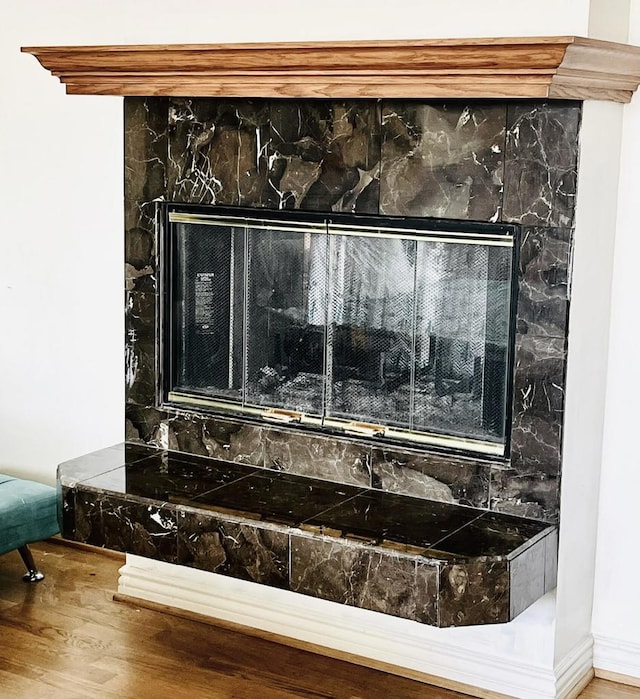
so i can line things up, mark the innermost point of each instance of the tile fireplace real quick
(464, 508)
(346, 326)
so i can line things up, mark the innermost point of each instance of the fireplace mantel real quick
(565, 67)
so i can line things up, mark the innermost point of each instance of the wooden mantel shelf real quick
(566, 67)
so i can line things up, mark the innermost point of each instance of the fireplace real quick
(457, 516)
(348, 347)
(383, 327)
(387, 436)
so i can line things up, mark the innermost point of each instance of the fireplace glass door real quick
(379, 328)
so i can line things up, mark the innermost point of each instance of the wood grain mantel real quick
(565, 67)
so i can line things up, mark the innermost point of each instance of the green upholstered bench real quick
(28, 513)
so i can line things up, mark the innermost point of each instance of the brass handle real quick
(364, 429)
(286, 417)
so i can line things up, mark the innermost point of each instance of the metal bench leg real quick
(33, 574)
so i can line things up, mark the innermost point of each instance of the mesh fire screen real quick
(383, 328)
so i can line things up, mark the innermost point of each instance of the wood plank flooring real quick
(601, 689)
(66, 637)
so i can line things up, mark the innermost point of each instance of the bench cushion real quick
(28, 512)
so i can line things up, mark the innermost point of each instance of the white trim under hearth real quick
(411, 649)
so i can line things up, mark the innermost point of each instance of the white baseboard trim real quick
(575, 670)
(498, 660)
(617, 656)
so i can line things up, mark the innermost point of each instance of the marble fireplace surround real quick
(459, 540)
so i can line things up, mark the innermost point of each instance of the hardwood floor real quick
(601, 689)
(66, 637)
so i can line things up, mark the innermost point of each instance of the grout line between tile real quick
(455, 531)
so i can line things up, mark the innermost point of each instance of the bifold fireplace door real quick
(395, 329)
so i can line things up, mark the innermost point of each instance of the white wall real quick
(61, 239)
(616, 613)
(589, 319)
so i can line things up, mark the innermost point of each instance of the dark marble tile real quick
(550, 561)
(145, 160)
(431, 476)
(100, 461)
(442, 159)
(368, 200)
(185, 433)
(183, 477)
(474, 593)
(241, 550)
(386, 585)
(121, 524)
(534, 495)
(277, 497)
(323, 568)
(376, 516)
(89, 465)
(87, 525)
(526, 583)
(234, 441)
(143, 424)
(140, 348)
(136, 452)
(543, 301)
(324, 155)
(317, 456)
(491, 535)
(354, 575)
(145, 147)
(156, 474)
(217, 151)
(140, 528)
(67, 511)
(538, 404)
(427, 593)
(230, 440)
(145, 478)
(113, 481)
(140, 247)
(540, 172)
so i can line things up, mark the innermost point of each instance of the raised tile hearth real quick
(436, 563)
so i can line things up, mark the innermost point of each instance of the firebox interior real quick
(380, 327)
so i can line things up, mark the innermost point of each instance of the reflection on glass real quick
(286, 318)
(208, 280)
(371, 328)
(462, 301)
(407, 331)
